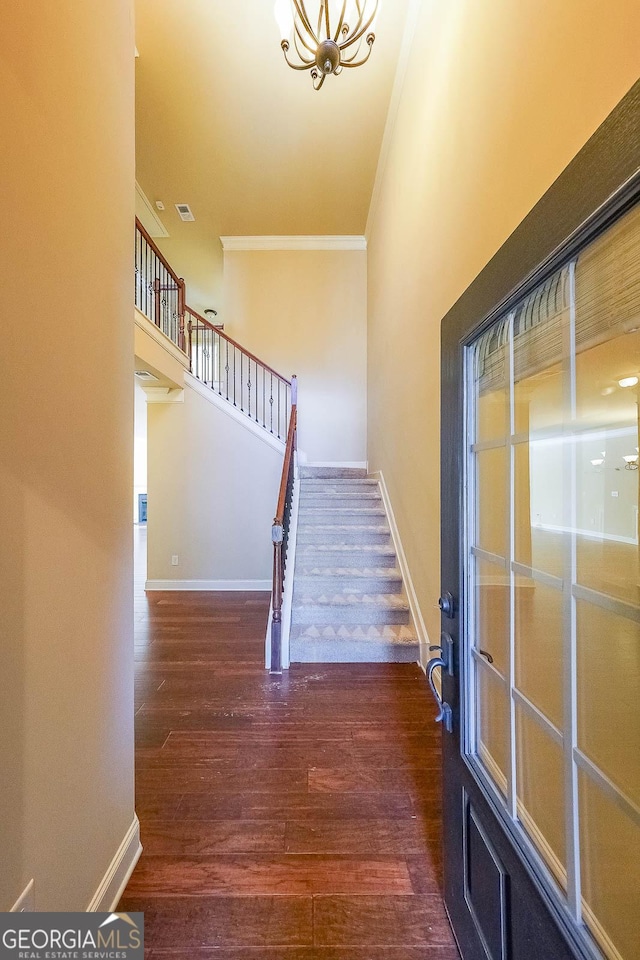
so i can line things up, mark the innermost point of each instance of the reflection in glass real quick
(538, 646)
(609, 694)
(541, 791)
(540, 533)
(493, 726)
(539, 325)
(492, 612)
(493, 502)
(491, 381)
(607, 467)
(610, 868)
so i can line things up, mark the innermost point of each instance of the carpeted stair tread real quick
(348, 599)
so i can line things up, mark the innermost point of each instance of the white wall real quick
(212, 489)
(66, 620)
(305, 312)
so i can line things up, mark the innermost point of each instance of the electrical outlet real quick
(26, 902)
(174, 560)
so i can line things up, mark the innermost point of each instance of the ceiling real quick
(224, 125)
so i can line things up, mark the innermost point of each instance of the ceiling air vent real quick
(145, 375)
(185, 211)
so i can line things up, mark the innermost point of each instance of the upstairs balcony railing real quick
(233, 373)
(238, 376)
(159, 291)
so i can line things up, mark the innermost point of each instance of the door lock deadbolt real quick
(447, 605)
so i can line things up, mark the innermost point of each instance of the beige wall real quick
(304, 312)
(498, 98)
(212, 493)
(66, 676)
(157, 353)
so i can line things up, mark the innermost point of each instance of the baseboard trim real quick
(207, 585)
(112, 885)
(414, 606)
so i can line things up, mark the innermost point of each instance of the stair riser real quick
(349, 613)
(311, 586)
(355, 558)
(322, 499)
(331, 517)
(334, 651)
(310, 536)
(333, 489)
(332, 473)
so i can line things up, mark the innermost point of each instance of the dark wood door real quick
(517, 886)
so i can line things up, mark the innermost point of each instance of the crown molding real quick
(237, 244)
(146, 213)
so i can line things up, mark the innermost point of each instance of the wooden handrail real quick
(234, 343)
(156, 249)
(280, 534)
(282, 496)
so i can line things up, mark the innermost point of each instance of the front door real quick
(541, 610)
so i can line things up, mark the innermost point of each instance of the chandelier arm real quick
(318, 80)
(360, 7)
(345, 61)
(304, 65)
(298, 34)
(361, 31)
(358, 63)
(304, 19)
(341, 22)
(299, 66)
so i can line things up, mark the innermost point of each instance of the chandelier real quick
(330, 37)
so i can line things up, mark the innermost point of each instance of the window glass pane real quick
(610, 868)
(607, 383)
(540, 783)
(539, 327)
(492, 613)
(491, 383)
(609, 694)
(493, 725)
(540, 534)
(492, 518)
(538, 646)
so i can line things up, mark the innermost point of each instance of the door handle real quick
(445, 713)
(447, 605)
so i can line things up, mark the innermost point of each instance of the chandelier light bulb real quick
(628, 382)
(284, 18)
(325, 36)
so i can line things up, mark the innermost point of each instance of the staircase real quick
(349, 604)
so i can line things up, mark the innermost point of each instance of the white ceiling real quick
(225, 126)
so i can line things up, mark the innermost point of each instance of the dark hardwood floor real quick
(292, 819)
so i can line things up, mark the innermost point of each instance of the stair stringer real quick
(417, 619)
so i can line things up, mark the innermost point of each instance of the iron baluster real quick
(271, 403)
